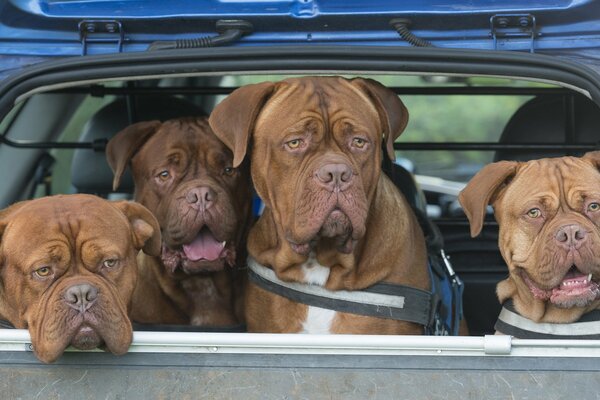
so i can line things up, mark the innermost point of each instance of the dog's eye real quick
(295, 143)
(110, 263)
(594, 207)
(43, 272)
(228, 171)
(534, 213)
(359, 142)
(164, 175)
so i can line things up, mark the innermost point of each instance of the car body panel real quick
(225, 366)
(52, 28)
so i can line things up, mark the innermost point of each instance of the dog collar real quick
(510, 322)
(382, 300)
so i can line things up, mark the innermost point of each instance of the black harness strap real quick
(510, 322)
(410, 304)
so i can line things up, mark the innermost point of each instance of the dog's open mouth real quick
(575, 290)
(204, 247)
(203, 254)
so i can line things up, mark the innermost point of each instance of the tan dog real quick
(331, 217)
(184, 175)
(548, 211)
(68, 270)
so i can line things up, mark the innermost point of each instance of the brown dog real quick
(548, 212)
(331, 218)
(184, 175)
(69, 270)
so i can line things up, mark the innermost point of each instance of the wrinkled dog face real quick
(325, 154)
(69, 270)
(549, 216)
(184, 175)
(322, 149)
(556, 244)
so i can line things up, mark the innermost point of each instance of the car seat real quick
(569, 119)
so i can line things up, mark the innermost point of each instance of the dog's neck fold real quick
(375, 258)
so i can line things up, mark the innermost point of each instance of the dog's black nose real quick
(333, 176)
(81, 296)
(202, 197)
(571, 235)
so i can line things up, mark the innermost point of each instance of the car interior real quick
(457, 125)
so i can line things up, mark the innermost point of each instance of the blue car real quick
(483, 81)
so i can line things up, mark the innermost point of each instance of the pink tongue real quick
(205, 246)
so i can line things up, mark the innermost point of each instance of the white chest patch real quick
(314, 273)
(318, 320)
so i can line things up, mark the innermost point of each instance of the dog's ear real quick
(125, 144)
(234, 118)
(144, 227)
(5, 218)
(6, 215)
(392, 112)
(9, 312)
(482, 190)
(593, 157)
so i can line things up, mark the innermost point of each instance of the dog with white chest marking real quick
(331, 218)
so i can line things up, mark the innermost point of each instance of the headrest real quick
(406, 183)
(90, 172)
(543, 119)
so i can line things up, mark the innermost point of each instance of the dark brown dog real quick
(68, 270)
(185, 176)
(548, 212)
(331, 218)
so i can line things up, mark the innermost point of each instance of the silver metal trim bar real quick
(259, 343)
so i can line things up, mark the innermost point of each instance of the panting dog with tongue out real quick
(184, 175)
(548, 213)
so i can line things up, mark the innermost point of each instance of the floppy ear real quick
(125, 144)
(7, 309)
(5, 215)
(233, 119)
(144, 227)
(482, 189)
(593, 157)
(392, 112)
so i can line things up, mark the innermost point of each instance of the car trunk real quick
(277, 39)
(224, 365)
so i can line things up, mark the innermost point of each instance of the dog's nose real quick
(332, 176)
(571, 235)
(81, 296)
(201, 197)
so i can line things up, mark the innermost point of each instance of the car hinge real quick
(101, 31)
(509, 26)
